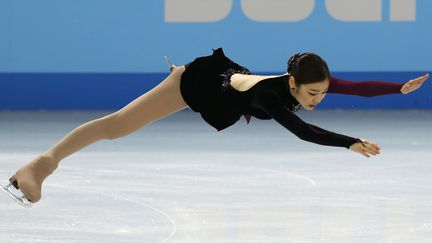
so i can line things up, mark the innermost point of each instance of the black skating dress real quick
(205, 86)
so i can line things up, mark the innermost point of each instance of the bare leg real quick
(159, 102)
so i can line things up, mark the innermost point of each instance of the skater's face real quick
(309, 95)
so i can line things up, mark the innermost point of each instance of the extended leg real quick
(159, 102)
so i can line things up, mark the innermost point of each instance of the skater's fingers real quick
(369, 148)
(373, 149)
(364, 154)
(420, 79)
(412, 85)
(370, 152)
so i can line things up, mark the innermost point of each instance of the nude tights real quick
(157, 103)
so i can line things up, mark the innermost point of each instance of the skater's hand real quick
(366, 148)
(414, 84)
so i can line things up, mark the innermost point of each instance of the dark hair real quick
(308, 68)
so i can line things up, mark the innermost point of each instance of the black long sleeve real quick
(270, 102)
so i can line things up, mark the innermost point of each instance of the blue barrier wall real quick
(75, 91)
(100, 54)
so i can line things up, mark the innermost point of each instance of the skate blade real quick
(21, 200)
(168, 62)
(170, 65)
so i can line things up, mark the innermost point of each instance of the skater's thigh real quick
(162, 100)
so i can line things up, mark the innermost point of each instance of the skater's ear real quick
(292, 82)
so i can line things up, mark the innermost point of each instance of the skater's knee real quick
(111, 135)
(111, 127)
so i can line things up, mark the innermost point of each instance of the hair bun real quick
(292, 62)
(308, 68)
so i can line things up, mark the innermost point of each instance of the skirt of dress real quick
(202, 87)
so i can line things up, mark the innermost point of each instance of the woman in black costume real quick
(221, 91)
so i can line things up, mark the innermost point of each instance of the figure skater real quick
(364, 88)
(221, 91)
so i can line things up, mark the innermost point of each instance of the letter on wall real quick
(355, 10)
(403, 10)
(277, 10)
(196, 10)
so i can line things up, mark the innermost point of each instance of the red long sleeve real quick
(363, 88)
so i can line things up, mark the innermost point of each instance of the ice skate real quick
(21, 200)
(170, 65)
(29, 180)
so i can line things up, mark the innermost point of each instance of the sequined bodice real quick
(226, 76)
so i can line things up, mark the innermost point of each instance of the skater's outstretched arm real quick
(374, 88)
(271, 103)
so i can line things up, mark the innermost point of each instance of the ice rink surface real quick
(178, 180)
